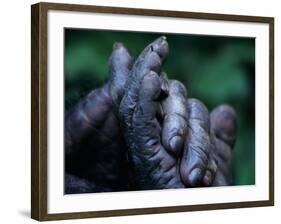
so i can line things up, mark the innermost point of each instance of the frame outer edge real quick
(38, 112)
(154, 12)
(39, 209)
(35, 190)
(271, 111)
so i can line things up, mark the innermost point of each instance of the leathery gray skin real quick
(187, 127)
(179, 150)
(95, 151)
(94, 144)
(175, 127)
(152, 166)
(224, 128)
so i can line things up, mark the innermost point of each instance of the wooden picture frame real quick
(39, 109)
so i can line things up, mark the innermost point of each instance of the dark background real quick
(214, 69)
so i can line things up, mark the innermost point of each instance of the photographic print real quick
(198, 130)
(139, 111)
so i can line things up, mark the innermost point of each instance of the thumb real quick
(120, 63)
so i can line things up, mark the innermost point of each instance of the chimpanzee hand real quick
(156, 166)
(153, 165)
(94, 147)
(170, 142)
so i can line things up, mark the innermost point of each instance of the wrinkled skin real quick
(94, 146)
(96, 154)
(223, 126)
(157, 165)
(171, 140)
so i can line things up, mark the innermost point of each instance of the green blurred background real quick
(214, 69)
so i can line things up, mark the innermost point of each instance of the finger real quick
(196, 154)
(120, 61)
(143, 138)
(152, 166)
(175, 118)
(144, 121)
(159, 46)
(164, 81)
(210, 173)
(152, 57)
(149, 61)
(223, 122)
(212, 167)
(120, 64)
(149, 92)
(223, 155)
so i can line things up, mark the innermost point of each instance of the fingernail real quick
(195, 177)
(176, 144)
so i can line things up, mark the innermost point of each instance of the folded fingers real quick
(175, 118)
(150, 60)
(197, 167)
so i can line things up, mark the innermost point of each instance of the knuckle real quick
(198, 107)
(153, 61)
(178, 88)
